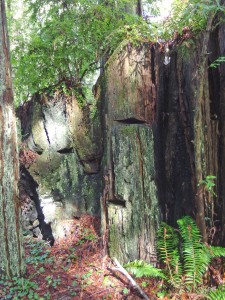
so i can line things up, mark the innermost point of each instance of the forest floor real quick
(76, 267)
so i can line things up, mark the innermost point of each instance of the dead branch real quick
(125, 273)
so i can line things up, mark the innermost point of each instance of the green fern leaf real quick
(195, 254)
(167, 245)
(216, 251)
(218, 294)
(140, 268)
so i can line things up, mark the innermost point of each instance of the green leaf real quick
(74, 283)
(218, 294)
(167, 246)
(140, 268)
(144, 283)
(125, 291)
(195, 254)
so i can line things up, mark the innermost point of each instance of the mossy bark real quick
(130, 212)
(133, 214)
(11, 252)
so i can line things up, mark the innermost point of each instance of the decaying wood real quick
(127, 275)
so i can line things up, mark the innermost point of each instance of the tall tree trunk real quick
(130, 210)
(202, 106)
(11, 253)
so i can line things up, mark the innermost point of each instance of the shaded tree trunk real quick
(200, 141)
(11, 253)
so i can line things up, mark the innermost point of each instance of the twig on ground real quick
(127, 275)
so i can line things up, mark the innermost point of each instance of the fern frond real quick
(218, 294)
(216, 251)
(167, 246)
(195, 254)
(139, 268)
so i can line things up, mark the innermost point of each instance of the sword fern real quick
(184, 256)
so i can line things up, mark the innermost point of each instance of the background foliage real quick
(61, 44)
(192, 14)
(58, 43)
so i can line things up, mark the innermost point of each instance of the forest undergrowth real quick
(76, 267)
